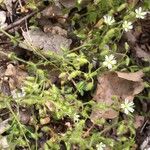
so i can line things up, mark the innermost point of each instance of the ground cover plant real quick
(74, 74)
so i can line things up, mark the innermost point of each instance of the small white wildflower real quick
(2, 19)
(127, 106)
(109, 61)
(140, 14)
(18, 94)
(76, 118)
(100, 146)
(79, 1)
(127, 26)
(109, 20)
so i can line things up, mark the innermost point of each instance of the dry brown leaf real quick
(68, 3)
(16, 76)
(10, 71)
(119, 84)
(52, 11)
(139, 120)
(142, 54)
(38, 40)
(136, 76)
(135, 48)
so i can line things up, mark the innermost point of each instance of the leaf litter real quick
(113, 87)
(120, 84)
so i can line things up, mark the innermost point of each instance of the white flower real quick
(76, 118)
(139, 13)
(127, 26)
(100, 146)
(18, 94)
(127, 107)
(79, 1)
(109, 20)
(2, 19)
(109, 61)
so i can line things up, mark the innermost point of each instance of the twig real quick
(143, 126)
(18, 22)
(88, 131)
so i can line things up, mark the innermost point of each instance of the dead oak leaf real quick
(119, 84)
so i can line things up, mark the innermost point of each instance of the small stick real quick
(16, 23)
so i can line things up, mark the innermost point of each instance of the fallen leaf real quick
(4, 125)
(10, 71)
(136, 76)
(142, 54)
(52, 11)
(119, 84)
(135, 48)
(24, 116)
(68, 3)
(139, 120)
(16, 76)
(38, 40)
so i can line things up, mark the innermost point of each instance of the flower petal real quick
(113, 62)
(109, 66)
(126, 111)
(111, 57)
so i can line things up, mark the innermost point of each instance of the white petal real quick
(105, 63)
(106, 58)
(143, 13)
(136, 10)
(109, 18)
(111, 57)
(122, 106)
(126, 101)
(129, 23)
(126, 111)
(104, 18)
(109, 66)
(130, 109)
(113, 62)
(131, 104)
(130, 27)
(140, 9)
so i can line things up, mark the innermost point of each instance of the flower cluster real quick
(127, 25)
